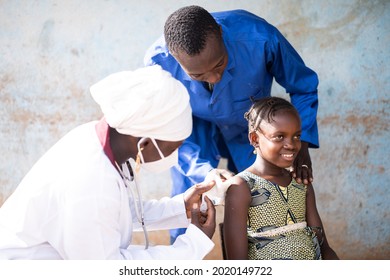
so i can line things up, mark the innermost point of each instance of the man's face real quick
(208, 66)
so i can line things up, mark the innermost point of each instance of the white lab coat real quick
(73, 204)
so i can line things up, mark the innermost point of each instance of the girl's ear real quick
(253, 138)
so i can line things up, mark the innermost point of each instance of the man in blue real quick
(226, 60)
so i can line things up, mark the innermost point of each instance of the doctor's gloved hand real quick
(205, 221)
(224, 174)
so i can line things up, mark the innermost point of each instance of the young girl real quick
(268, 215)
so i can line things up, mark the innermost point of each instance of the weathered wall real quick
(52, 51)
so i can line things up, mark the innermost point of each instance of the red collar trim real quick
(103, 133)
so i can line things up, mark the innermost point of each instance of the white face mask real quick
(160, 165)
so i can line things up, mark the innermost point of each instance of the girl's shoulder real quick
(238, 181)
(239, 192)
(251, 179)
(246, 175)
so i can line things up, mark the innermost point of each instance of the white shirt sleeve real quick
(194, 244)
(166, 213)
(90, 229)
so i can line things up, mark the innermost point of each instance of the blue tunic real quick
(257, 53)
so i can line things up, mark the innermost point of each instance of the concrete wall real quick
(52, 51)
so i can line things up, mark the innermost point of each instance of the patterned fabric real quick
(272, 207)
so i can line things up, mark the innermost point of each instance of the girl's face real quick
(279, 141)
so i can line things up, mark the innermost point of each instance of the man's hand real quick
(302, 166)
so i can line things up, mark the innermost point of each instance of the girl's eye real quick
(297, 137)
(277, 138)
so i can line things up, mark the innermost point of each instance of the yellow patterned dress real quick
(277, 221)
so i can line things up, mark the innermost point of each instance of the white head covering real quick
(147, 102)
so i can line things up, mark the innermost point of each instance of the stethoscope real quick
(139, 207)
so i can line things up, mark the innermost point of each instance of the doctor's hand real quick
(205, 221)
(192, 200)
(194, 195)
(224, 174)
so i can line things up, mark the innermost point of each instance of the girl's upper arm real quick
(237, 201)
(312, 217)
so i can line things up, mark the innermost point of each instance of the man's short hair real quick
(187, 30)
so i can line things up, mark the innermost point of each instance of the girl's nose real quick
(289, 144)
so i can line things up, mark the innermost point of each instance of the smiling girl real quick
(268, 215)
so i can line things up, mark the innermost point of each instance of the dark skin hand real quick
(204, 221)
(192, 199)
(301, 173)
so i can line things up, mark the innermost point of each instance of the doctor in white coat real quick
(82, 199)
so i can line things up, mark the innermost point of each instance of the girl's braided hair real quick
(265, 109)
